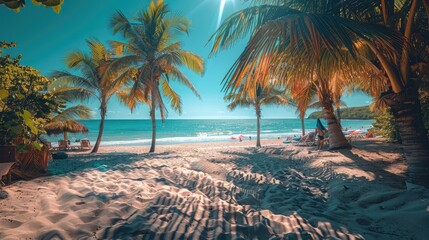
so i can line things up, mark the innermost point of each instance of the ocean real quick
(174, 131)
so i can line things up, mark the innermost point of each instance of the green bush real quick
(385, 126)
(25, 103)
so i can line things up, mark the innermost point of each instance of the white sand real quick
(220, 191)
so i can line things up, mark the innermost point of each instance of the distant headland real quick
(349, 113)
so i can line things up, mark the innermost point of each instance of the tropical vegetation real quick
(363, 112)
(303, 101)
(263, 96)
(96, 79)
(379, 44)
(25, 103)
(16, 5)
(151, 46)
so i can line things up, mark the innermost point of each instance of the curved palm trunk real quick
(302, 126)
(258, 125)
(339, 116)
(407, 113)
(337, 140)
(152, 117)
(101, 128)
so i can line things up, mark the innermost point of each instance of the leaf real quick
(37, 3)
(37, 145)
(28, 121)
(57, 9)
(3, 93)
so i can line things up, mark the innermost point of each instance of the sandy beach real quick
(220, 191)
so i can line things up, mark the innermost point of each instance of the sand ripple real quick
(229, 195)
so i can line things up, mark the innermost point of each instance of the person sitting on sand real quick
(320, 131)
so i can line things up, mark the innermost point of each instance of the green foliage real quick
(25, 105)
(16, 5)
(385, 126)
(349, 113)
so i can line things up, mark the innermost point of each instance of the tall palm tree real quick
(262, 96)
(306, 43)
(97, 79)
(404, 75)
(357, 27)
(151, 46)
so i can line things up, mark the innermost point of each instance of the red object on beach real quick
(233, 138)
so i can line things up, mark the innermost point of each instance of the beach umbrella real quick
(65, 127)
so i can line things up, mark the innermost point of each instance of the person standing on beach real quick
(320, 131)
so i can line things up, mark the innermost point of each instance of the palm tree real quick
(290, 26)
(263, 96)
(404, 75)
(97, 79)
(303, 101)
(150, 46)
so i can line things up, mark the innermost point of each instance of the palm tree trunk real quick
(337, 140)
(101, 128)
(407, 113)
(65, 136)
(258, 125)
(302, 126)
(152, 117)
(339, 116)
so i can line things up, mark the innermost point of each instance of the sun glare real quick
(221, 7)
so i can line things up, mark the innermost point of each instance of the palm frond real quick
(64, 78)
(71, 94)
(243, 23)
(191, 61)
(176, 74)
(79, 111)
(171, 95)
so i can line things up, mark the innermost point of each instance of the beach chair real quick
(307, 140)
(355, 135)
(63, 145)
(85, 144)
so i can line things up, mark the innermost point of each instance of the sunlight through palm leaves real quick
(97, 79)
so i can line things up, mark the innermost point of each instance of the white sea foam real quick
(201, 137)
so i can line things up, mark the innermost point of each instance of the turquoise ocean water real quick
(138, 132)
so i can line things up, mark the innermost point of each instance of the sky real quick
(44, 38)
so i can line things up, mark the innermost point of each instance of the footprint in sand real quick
(10, 223)
(54, 218)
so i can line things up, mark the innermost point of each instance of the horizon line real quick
(211, 119)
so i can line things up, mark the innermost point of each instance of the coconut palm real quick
(404, 75)
(304, 48)
(151, 46)
(303, 101)
(97, 79)
(262, 96)
(354, 26)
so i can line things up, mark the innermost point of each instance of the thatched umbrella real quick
(65, 127)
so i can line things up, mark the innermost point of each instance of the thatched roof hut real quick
(64, 127)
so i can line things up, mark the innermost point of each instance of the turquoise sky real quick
(45, 38)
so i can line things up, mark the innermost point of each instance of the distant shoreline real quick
(351, 113)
